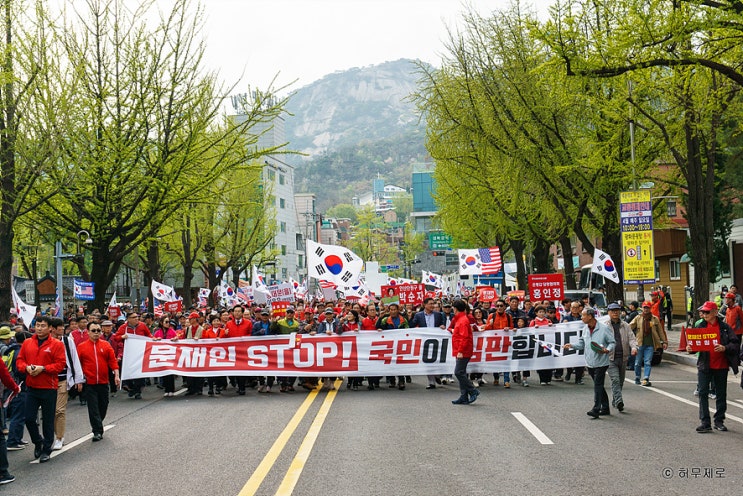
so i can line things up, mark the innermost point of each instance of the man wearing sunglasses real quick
(97, 359)
(713, 366)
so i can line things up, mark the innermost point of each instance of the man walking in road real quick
(598, 342)
(43, 358)
(650, 335)
(713, 366)
(97, 359)
(626, 346)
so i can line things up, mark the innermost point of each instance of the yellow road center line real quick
(268, 461)
(295, 470)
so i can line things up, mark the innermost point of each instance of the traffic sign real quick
(393, 267)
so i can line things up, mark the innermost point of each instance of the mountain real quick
(355, 125)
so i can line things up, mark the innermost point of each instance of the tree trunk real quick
(6, 264)
(518, 252)
(541, 256)
(153, 270)
(567, 258)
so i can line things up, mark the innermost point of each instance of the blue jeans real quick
(644, 356)
(17, 418)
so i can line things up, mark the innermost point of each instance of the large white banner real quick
(368, 353)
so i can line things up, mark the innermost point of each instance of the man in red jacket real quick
(238, 327)
(43, 358)
(97, 359)
(132, 326)
(462, 346)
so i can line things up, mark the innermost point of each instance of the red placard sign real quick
(546, 287)
(701, 339)
(411, 293)
(173, 306)
(486, 293)
(113, 313)
(278, 308)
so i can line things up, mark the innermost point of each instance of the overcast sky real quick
(304, 40)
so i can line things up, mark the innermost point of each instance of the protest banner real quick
(424, 351)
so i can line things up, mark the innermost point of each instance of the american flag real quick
(327, 285)
(490, 258)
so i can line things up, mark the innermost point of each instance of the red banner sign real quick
(546, 287)
(113, 313)
(486, 293)
(278, 308)
(411, 293)
(701, 339)
(173, 306)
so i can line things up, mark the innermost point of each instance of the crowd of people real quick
(57, 360)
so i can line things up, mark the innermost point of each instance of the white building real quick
(278, 178)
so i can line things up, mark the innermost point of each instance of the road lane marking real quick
(695, 403)
(533, 429)
(74, 443)
(303, 453)
(251, 487)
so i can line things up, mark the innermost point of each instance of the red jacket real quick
(7, 379)
(140, 330)
(734, 318)
(233, 330)
(462, 341)
(497, 321)
(51, 355)
(79, 336)
(96, 360)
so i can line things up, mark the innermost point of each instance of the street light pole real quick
(59, 256)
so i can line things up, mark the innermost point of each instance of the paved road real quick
(391, 442)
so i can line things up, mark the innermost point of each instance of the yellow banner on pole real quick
(636, 226)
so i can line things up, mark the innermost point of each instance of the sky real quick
(302, 40)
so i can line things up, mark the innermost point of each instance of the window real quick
(282, 226)
(284, 274)
(300, 260)
(271, 174)
(283, 249)
(671, 207)
(674, 269)
(282, 180)
(657, 270)
(282, 203)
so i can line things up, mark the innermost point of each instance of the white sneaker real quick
(57, 444)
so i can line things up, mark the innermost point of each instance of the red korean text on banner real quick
(278, 308)
(546, 287)
(411, 293)
(486, 293)
(173, 306)
(701, 339)
(114, 313)
(430, 294)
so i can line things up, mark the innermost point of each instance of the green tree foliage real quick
(685, 58)
(525, 155)
(342, 211)
(27, 149)
(369, 238)
(138, 121)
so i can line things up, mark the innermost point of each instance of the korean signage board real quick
(636, 227)
(546, 287)
(439, 241)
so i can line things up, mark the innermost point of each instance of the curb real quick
(680, 357)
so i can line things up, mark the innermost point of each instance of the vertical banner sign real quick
(636, 226)
(546, 287)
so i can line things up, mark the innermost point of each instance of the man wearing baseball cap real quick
(650, 335)
(733, 314)
(713, 366)
(626, 347)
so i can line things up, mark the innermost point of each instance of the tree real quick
(342, 211)
(27, 149)
(686, 56)
(524, 153)
(369, 240)
(140, 128)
